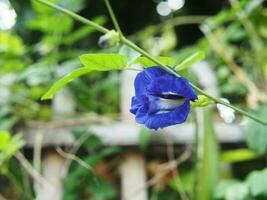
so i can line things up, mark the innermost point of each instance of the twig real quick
(171, 157)
(164, 169)
(73, 151)
(113, 17)
(31, 171)
(37, 157)
(75, 158)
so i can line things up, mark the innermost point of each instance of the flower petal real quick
(169, 84)
(162, 120)
(145, 77)
(142, 113)
(134, 105)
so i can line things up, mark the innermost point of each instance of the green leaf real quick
(100, 188)
(9, 145)
(145, 62)
(238, 155)
(232, 189)
(131, 54)
(257, 183)
(207, 154)
(65, 80)
(144, 138)
(4, 140)
(104, 62)
(255, 133)
(183, 181)
(190, 60)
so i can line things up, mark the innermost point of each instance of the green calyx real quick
(202, 101)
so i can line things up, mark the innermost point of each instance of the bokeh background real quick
(84, 144)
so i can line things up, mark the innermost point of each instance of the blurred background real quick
(84, 144)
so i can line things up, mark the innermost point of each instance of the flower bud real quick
(228, 114)
(110, 39)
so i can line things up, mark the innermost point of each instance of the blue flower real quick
(161, 99)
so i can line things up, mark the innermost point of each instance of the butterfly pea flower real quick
(161, 99)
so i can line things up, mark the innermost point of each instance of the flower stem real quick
(75, 16)
(144, 53)
(113, 17)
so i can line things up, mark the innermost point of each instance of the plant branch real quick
(75, 16)
(113, 17)
(144, 53)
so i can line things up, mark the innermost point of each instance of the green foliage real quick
(197, 56)
(88, 183)
(255, 134)
(238, 155)
(144, 138)
(183, 181)
(145, 62)
(232, 190)
(65, 80)
(104, 62)
(207, 167)
(131, 54)
(91, 62)
(253, 187)
(9, 145)
(257, 183)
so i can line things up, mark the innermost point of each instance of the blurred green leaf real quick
(131, 54)
(4, 140)
(144, 138)
(9, 145)
(184, 181)
(104, 62)
(145, 62)
(255, 133)
(252, 5)
(207, 156)
(238, 155)
(82, 32)
(100, 188)
(257, 183)
(91, 141)
(52, 23)
(63, 81)
(197, 56)
(231, 190)
(11, 44)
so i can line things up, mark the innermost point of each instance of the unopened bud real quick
(228, 114)
(110, 39)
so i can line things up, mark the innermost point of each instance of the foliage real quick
(207, 167)
(9, 145)
(259, 142)
(234, 43)
(92, 185)
(253, 187)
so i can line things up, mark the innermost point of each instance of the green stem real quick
(75, 16)
(144, 53)
(113, 17)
